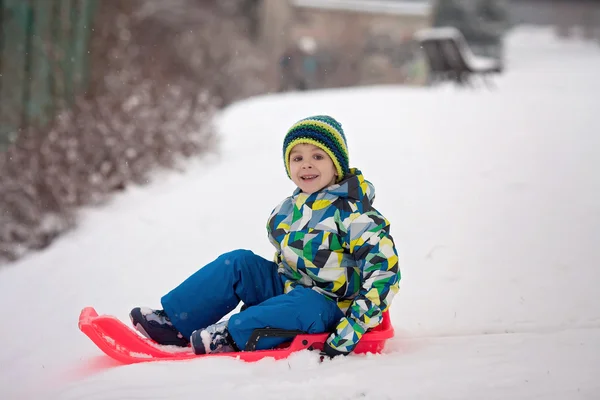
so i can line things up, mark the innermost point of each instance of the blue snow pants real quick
(216, 289)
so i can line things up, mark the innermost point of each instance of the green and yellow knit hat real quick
(324, 132)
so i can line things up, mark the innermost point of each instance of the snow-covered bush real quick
(159, 70)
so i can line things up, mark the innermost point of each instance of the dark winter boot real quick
(155, 325)
(213, 339)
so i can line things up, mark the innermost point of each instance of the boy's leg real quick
(301, 309)
(217, 288)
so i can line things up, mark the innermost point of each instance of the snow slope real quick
(494, 200)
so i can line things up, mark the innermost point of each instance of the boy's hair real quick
(324, 132)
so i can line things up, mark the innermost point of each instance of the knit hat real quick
(324, 132)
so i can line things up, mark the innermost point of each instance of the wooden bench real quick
(450, 58)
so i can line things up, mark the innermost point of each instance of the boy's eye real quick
(318, 157)
(297, 158)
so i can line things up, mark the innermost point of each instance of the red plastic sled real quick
(125, 345)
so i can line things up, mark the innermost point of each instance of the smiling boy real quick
(335, 267)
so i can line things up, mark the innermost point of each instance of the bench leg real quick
(488, 82)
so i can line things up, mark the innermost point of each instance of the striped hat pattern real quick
(324, 132)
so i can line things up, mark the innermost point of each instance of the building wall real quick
(275, 17)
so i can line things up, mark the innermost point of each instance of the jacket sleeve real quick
(373, 249)
(273, 226)
(275, 230)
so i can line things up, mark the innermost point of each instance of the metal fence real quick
(43, 59)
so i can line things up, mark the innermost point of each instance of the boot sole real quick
(141, 329)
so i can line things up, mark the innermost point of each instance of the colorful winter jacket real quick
(336, 243)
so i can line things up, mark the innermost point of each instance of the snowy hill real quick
(494, 200)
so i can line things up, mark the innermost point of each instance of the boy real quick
(335, 267)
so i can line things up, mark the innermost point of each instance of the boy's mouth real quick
(309, 177)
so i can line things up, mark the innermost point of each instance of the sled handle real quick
(259, 333)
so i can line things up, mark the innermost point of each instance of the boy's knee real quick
(238, 256)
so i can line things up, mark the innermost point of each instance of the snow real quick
(494, 200)
(446, 32)
(415, 8)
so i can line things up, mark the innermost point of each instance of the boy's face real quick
(311, 168)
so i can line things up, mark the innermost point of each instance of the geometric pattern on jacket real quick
(336, 243)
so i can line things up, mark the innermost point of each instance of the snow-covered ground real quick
(494, 200)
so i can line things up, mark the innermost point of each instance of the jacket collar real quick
(353, 187)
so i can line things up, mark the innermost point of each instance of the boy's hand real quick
(345, 337)
(330, 352)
